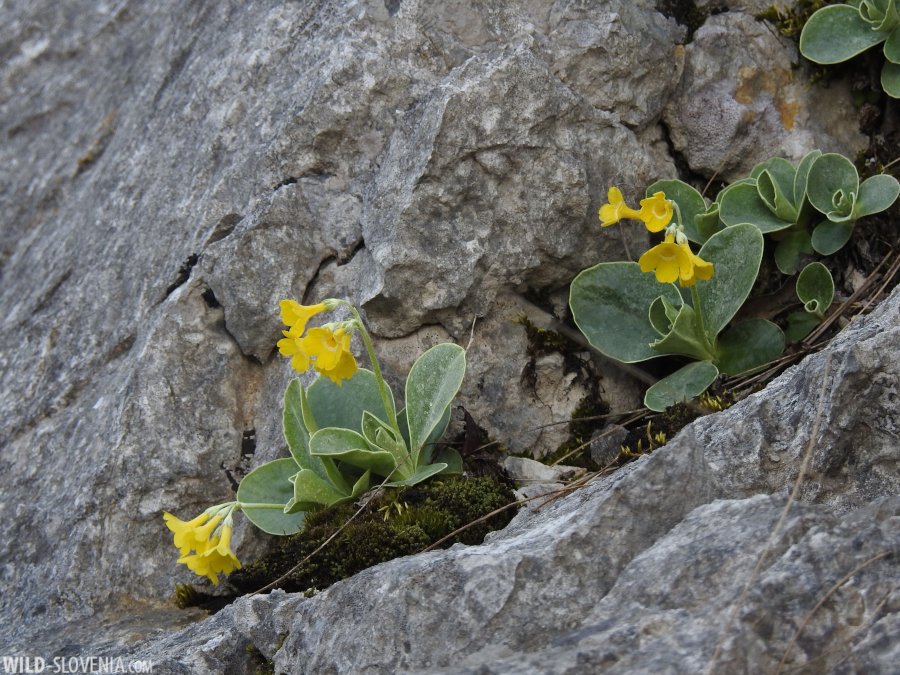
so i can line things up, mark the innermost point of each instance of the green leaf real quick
(342, 405)
(662, 314)
(360, 486)
(890, 79)
(829, 237)
(269, 485)
(880, 14)
(775, 198)
(790, 248)
(876, 194)
(685, 336)
(424, 473)
(451, 458)
(708, 223)
(434, 437)
(610, 304)
(295, 432)
(749, 345)
(348, 446)
(682, 385)
(736, 252)
(312, 492)
(801, 178)
(799, 325)
(832, 181)
(837, 33)
(690, 203)
(431, 386)
(892, 46)
(815, 288)
(742, 204)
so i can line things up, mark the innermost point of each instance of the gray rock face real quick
(742, 100)
(676, 563)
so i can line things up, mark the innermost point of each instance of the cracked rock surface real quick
(168, 176)
(688, 560)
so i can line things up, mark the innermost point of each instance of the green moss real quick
(541, 340)
(414, 518)
(258, 664)
(790, 22)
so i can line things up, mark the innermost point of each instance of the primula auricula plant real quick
(810, 208)
(839, 32)
(631, 315)
(343, 431)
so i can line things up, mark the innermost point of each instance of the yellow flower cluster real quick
(672, 260)
(326, 349)
(655, 211)
(211, 543)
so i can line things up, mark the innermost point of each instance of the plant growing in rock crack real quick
(633, 316)
(812, 207)
(839, 32)
(342, 431)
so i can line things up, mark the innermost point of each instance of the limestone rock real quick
(688, 560)
(741, 100)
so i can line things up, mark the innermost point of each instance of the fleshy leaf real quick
(690, 203)
(685, 336)
(837, 33)
(742, 204)
(890, 78)
(801, 178)
(892, 46)
(610, 304)
(829, 237)
(736, 252)
(294, 427)
(815, 288)
(312, 492)
(431, 386)
(424, 473)
(749, 345)
(451, 458)
(790, 248)
(799, 325)
(775, 197)
(348, 446)
(342, 405)
(832, 181)
(876, 194)
(682, 385)
(270, 487)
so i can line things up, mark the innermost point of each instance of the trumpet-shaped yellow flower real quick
(612, 212)
(656, 212)
(675, 261)
(215, 560)
(292, 346)
(193, 534)
(331, 351)
(295, 315)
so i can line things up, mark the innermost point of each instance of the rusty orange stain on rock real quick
(753, 82)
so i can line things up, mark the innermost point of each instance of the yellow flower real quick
(193, 534)
(656, 212)
(331, 351)
(292, 346)
(673, 261)
(218, 558)
(616, 209)
(296, 315)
